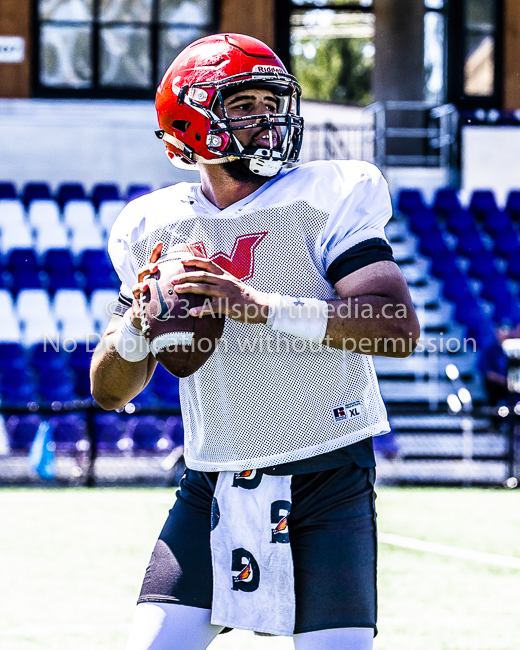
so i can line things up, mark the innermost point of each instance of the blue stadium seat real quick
(513, 268)
(33, 191)
(56, 385)
(433, 244)
(60, 269)
(422, 221)
(513, 205)
(12, 355)
(110, 433)
(410, 201)
(68, 192)
(135, 191)
(482, 202)
(498, 222)
(456, 288)
(21, 431)
(79, 361)
(507, 245)
(7, 191)
(482, 266)
(98, 271)
(460, 222)
(166, 387)
(148, 434)
(506, 310)
(23, 266)
(470, 244)
(44, 357)
(17, 386)
(444, 265)
(68, 431)
(446, 201)
(105, 192)
(495, 289)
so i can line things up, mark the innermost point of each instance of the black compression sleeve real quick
(362, 254)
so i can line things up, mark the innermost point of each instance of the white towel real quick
(253, 573)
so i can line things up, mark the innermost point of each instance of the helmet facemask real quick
(284, 128)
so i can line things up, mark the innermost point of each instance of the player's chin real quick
(239, 171)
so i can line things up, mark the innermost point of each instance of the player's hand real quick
(142, 285)
(229, 296)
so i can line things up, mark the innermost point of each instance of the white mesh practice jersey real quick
(265, 398)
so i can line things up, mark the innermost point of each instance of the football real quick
(180, 342)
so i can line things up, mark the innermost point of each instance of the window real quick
(479, 55)
(113, 48)
(332, 50)
(434, 51)
(475, 39)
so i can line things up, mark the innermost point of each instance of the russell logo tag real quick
(347, 412)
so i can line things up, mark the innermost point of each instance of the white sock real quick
(167, 626)
(344, 638)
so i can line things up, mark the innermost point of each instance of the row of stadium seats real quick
(61, 374)
(446, 201)
(71, 191)
(57, 269)
(43, 226)
(474, 253)
(112, 433)
(69, 315)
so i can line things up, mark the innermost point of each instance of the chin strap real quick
(191, 155)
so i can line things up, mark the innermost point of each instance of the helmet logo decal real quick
(267, 69)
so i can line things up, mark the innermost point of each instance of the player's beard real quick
(239, 169)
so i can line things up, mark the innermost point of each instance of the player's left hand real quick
(230, 296)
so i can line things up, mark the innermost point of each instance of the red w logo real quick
(241, 262)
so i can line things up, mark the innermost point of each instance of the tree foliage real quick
(338, 72)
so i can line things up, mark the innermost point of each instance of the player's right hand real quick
(142, 285)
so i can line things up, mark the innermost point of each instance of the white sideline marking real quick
(453, 551)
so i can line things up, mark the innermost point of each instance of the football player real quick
(273, 529)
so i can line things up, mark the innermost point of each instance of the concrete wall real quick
(15, 78)
(101, 141)
(512, 55)
(87, 141)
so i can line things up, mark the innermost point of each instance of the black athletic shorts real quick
(332, 527)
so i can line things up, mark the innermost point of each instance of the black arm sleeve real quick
(362, 254)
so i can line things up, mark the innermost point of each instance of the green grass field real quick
(72, 562)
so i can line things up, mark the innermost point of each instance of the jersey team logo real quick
(241, 262)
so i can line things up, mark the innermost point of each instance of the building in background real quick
(344, 52)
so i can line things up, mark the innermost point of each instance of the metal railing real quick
(432, 131)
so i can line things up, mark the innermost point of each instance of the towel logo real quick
(279, 522)
(248, 479)
(347, 412)
(248, 571)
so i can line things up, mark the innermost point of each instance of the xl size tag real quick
(347, 411)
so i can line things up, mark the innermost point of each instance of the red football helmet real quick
(200, 78)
